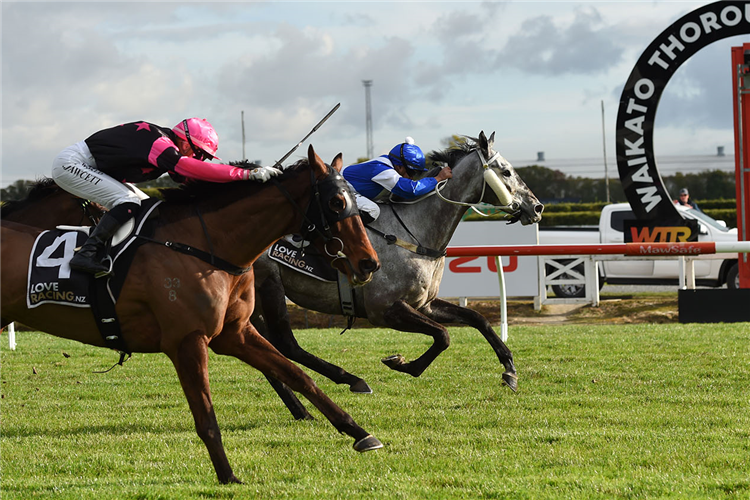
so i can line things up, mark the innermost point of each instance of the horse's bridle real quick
(497, 186)
(318, 217)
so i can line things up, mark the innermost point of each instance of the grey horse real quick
(403, 294)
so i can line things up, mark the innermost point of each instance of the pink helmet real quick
(200, 135)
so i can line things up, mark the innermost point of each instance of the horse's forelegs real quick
(249, 346)
(401, 316)
(446, 312)
(287, 396)
(191, 362)
(293, 404)
(278, 331)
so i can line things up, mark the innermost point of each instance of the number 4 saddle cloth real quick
(52, 281)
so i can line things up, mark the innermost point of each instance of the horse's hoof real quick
(231, 480)
(360, 387)
(511, 380)
(368, 443)
(394, 362)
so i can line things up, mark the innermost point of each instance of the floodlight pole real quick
(604, 146)
(243, 135)
(368, 118)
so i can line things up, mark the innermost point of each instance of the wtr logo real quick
(672, 234)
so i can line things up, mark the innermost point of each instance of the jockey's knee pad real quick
(366, 217)
(124, 211)
(371, 210)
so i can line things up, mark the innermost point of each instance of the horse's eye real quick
(507, 173)
(337, 204)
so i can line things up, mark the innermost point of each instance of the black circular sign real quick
(644, 187)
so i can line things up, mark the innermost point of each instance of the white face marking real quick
(347, 200)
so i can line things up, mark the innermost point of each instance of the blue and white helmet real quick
(408, 155)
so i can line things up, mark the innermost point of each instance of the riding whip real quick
(315, 128)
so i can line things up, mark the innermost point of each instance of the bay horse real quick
(211, 308)
(403, 294)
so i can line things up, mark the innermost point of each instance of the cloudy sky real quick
(536, 73)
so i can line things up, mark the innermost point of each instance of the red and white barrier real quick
(627, 249)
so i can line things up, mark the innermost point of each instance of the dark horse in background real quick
(403, 294)
(46, 206)
(212, 307)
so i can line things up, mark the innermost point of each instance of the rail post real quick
(503, 299)
(12, 336)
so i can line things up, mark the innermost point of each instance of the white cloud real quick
(535, 72)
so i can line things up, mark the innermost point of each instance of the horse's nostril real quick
(368, 266)
(538, 208)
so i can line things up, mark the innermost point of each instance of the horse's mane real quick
(454, 154)
(41, 189)
(197, 191)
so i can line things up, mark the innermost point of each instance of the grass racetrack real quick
(604, 411)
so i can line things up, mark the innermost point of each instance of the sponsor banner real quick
(645, 231)
(477, 276)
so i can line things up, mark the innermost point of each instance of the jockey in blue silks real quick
(376, 179)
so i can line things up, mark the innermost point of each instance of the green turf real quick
(640, 411)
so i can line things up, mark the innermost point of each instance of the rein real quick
(418, 249)
(310, 227)
(86, 207)
(392, 239)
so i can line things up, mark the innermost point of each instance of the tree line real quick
(18, 190)
(550, 186)
(553, 186)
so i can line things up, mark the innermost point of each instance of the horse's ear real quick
(316, 163)
(483, 141)
(338, 162)
(491, 141)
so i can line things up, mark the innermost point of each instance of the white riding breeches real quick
(365, 204)
(75, 171)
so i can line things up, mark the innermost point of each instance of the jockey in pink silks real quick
(104, 167)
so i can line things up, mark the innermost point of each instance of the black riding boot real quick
(90, 258)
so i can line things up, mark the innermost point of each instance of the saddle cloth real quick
(52, 281)
(314, 265)
(310, 263)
